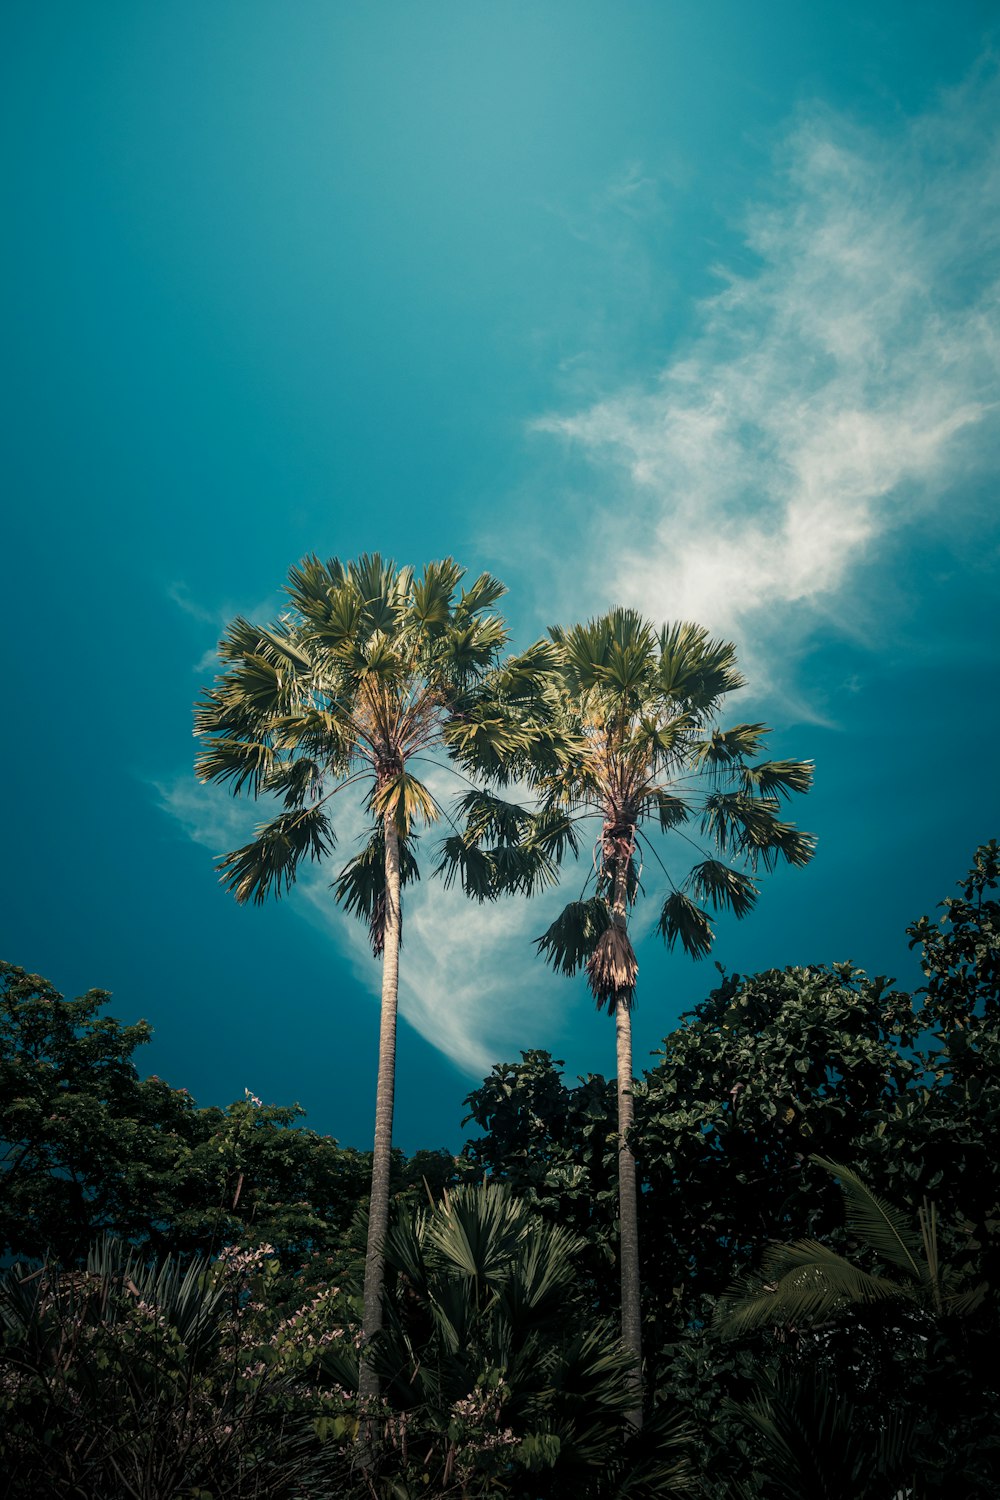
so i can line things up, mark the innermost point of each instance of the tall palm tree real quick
(370, 671)
(636, 708)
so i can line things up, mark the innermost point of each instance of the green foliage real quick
(557, 1147)
(642, 754)
(494, 1362)
(370, 671)
(88, 1146)
(808, 1282)
(119, 1380)
(85, 1144)
(766, 1071)
(870, 1368)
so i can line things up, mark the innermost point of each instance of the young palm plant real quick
(497, 1375)
(808, 1283)
(636, 709)
(369, 673)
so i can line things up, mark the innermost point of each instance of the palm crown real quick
(371, 669)
(637, 708)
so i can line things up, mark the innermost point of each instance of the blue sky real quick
(682, 305)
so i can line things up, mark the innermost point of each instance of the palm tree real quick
(636, 708)
(370, 671)
(813, 1440)
(808, 1283)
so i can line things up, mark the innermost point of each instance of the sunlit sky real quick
(690, 306)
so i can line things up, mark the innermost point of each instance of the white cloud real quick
(218, 617)
(467, 973)
(842, 390)
(207, 814)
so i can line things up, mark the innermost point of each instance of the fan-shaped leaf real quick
(268, 864)
(680, 918)
(571, 939)
(715, 882)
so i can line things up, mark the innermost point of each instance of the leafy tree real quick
(637, 708)
(893, 1294)
(942, 1143)
(370, 671)
(556, 1146)
(768, 1070)
(85, 1144)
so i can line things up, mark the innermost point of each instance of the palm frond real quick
(880, 1225)
(491, 818)
(360, 886)
(723, 887)
(570, 940)
(481, 595)
(525, 868)
(725, 747)
(254, 690)
(553, 832)
(269, 864)
(485, 874)
(681, 918)
(545, 1267)
(773, 778)
(295, 780)
(311, 582)
(405, 799)
(488, 740)
(670, 809)
(695, 670)
(470, 865)
(335, 624)
(806, 1282)
(750, 827)
(243, 763)
(432, 595)
(471, 648)
(383, 590)
(477, 1230)
(521, 677)
(606, 652)
(612, 969)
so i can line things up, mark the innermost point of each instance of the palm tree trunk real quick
(628, 1218)
(378, 1212)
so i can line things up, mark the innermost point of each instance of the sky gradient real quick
(690, 307)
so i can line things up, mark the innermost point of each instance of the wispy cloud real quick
(844, 388)
(823, 402)
(468, 975)
(218, 617)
